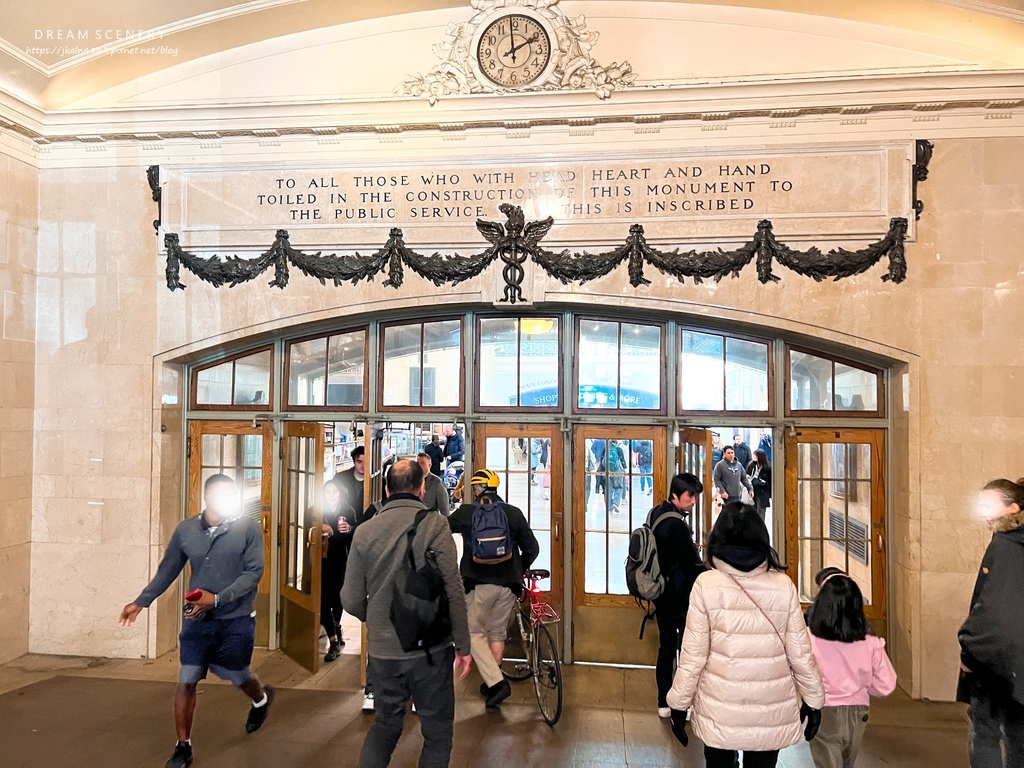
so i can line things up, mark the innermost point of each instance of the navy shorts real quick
(223, 646)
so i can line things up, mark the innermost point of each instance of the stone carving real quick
(923, 156)
(153, 177)
(575, 68)
(517, 240)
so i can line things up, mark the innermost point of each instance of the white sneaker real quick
(368, 703)
(664, 712)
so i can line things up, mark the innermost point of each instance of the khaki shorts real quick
(489, 608)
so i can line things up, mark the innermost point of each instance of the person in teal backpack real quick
(498, 546)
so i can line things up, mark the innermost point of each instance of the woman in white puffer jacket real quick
(746, 662)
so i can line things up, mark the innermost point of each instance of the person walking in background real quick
(618, 470)
(336, 529)
(378, 552)
(435, 494)
(352, 478)
(853, 666)
(743, 454)
(455, 446)
(730, 477)
(645, 463)
(765, 444)
(435, 451)
(760, 473)
(492, 587)
(680, 566)
(746, 661)
(225, 553)
(992, 637)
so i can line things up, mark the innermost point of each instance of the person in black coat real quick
(760, 473)
(743, 454)
(336, 529)
(680, 566)
(435, 451)
(992, 637)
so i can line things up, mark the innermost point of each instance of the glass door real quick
(835, 511)
(619, 475)
(695, 458)
(242, 452)
(528, 459)
(300, 542)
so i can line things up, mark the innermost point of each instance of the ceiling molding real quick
(712, 104)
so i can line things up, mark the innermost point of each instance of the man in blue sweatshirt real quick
(225, 552)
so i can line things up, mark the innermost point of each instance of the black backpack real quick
(419, 603)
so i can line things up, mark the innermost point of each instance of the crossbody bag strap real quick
(760, 610)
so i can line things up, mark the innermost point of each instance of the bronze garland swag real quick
(517, 240)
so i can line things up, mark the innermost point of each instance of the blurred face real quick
(221, 500)
(359, 462)
(737, 439)
(685, 502)
(729, 454)
(991, 506)
(424, 463)
(332, 495)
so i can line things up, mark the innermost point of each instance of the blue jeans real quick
(646, 481)
(432, 689)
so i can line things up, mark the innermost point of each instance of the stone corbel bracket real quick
(923, 149)
(153, 177)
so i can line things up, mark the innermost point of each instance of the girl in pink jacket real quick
(853, 667)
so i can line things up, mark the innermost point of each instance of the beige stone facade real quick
(93, 344)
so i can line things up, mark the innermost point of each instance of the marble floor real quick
(72, 711)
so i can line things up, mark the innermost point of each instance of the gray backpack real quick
(643, 571)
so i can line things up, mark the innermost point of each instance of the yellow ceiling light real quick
(536, 325)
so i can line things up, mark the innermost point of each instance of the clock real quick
(514, 50)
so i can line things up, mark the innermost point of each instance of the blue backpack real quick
(490, 537)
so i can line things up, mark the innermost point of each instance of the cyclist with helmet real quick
(493, 577)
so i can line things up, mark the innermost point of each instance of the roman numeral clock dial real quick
(514, 51)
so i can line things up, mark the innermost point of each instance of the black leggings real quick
(727, 758)
(330, 599)
(670, 626)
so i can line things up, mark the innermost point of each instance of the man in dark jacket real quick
(225, 553)
(992, 637)
(434, 450)
(492, 589)
(680, 566)
(743, 454)
(379, 548)
(455, 446)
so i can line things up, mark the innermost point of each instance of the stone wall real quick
(105, 472)
(18, 199)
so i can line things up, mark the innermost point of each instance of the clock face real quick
(513, 51)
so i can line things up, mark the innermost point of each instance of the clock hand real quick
(528, 41)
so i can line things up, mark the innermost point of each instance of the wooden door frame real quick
(581, 433)
(310, 602)
(199, 427)
(875, 437)
(700, 437)
(483, 430)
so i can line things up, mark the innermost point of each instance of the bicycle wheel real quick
(547, 675)
(519, 628)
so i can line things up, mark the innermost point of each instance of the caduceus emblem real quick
(514, 242)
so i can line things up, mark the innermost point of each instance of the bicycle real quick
(542, 660)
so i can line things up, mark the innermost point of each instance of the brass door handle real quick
(556, 531)
(879, 542)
